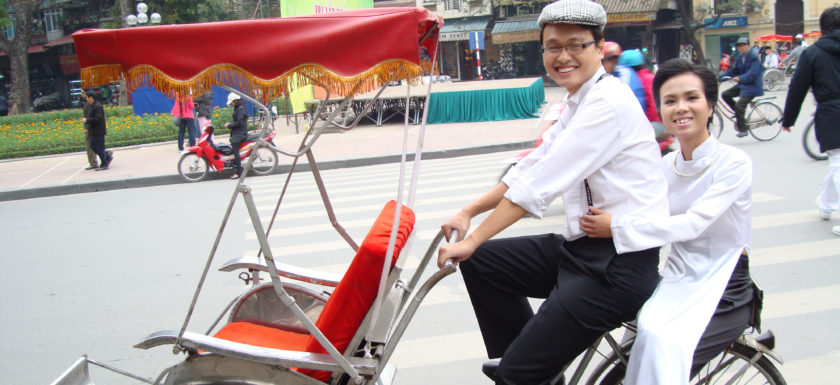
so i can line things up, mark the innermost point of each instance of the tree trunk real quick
(17, 50)
(690, 26)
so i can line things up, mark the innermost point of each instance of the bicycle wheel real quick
(762, 121)
(809, 142)
(716, 127)
(773, 79)
(730, 367)
(265, 161)
(192, 167)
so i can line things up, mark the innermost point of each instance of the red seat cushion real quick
(354, 295)
(349, 303)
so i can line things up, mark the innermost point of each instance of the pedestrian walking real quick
(819, 70)
(94, 120)
(183, 111)
(600, 150)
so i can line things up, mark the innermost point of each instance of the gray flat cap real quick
(743, 40)
(583, 12)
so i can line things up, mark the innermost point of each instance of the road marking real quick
(795, 252)
(440, 349)
(460, 188)
(72, 176)
(802, 371)
(45, 172)
(801, 302)
(782, 219)
(765, 197)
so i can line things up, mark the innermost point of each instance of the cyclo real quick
(290, 333)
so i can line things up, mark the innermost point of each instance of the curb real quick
(159, 180)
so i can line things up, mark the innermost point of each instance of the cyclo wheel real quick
(809, 142)
(773, 79)
(716, 127)
(265, 161)
(762, 121)
(733, 366)
(192, 167)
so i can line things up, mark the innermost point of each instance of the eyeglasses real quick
(571, 49)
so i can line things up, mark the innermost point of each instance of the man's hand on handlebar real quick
(455, 252)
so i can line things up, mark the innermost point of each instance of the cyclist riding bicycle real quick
(746, 73)
(709, 190)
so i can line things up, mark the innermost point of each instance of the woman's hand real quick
(455, 252)
(596, 224)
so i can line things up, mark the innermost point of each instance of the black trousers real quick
(237, 160)
(97, 143)
(588, 289)
(731, 317)
(739, 106)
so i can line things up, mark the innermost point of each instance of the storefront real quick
(721, 37)
(518, 43)
(456, 59)
(631, 30)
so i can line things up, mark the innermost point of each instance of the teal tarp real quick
(486, 105)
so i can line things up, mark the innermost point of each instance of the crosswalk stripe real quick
(765, 197)
(428, 351)
(801, 302)
(783, 219)
(795, 252)
(802, 371)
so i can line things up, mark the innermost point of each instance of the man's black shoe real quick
(741, 134)
(489, 370)
(91, 167)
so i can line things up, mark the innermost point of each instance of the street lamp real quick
(141, 17)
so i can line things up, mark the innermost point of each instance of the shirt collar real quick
(701, 157)
(581, 92)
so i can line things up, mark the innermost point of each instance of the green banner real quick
(310, 7)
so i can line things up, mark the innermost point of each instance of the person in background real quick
(771, 58)
(238, 130)
(746, 73)
(183, 109)
(612, 51)
(93, 162)
(819, 70)
(635, 59)
(4, 105)
(799, 45)
(724, 62)
(601, 149)
(204, 110)
(94, 120)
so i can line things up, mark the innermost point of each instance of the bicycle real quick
(761, 114)
(773, 79)
(810, 144)
(748, 360)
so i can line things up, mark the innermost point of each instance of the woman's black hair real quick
(597, 34)
(679, 66)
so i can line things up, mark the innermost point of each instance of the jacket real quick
(183, 108)
(204, 105)
(239, 126)
(647, 82)
(747, 67)
(95, 119)
(818, 69)
(629, 77)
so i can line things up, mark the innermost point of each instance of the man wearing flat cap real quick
(601, 152)
(746, 73)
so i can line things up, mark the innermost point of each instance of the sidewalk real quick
(156, 164)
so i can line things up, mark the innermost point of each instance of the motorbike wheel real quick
(193, 168)
(716, 128)
(265, 161)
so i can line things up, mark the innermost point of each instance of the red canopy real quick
(775, 38)
(811, 35)
(338, 50)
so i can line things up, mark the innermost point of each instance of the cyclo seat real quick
(348, 305)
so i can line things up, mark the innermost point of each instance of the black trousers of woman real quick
(588, 289)
(237, 160)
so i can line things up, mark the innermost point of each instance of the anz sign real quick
(727, 22)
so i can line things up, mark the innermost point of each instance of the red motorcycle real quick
(196, 162)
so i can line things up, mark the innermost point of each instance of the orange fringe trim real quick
(265, 89)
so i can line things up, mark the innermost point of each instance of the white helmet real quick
(231, 97)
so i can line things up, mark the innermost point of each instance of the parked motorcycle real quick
(196, 162)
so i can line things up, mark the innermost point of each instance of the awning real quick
(623, 12)
(506, 32)
(66, 39)
(774, 38)
(32, 49)
(459, 29)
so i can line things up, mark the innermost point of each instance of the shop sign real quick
(515, 37)
(69, 64)
(727, 22)
(632, 18)
(454, 36)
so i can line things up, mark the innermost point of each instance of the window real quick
(452, 5)
(52, 20)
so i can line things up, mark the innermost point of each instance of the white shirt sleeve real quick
(729, 183)
(591, 138)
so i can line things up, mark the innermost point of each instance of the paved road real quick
(94, 273)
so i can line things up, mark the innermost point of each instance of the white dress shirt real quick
(708, 229)
(604, 137)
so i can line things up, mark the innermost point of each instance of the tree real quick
(17, 49)
(693, 21)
